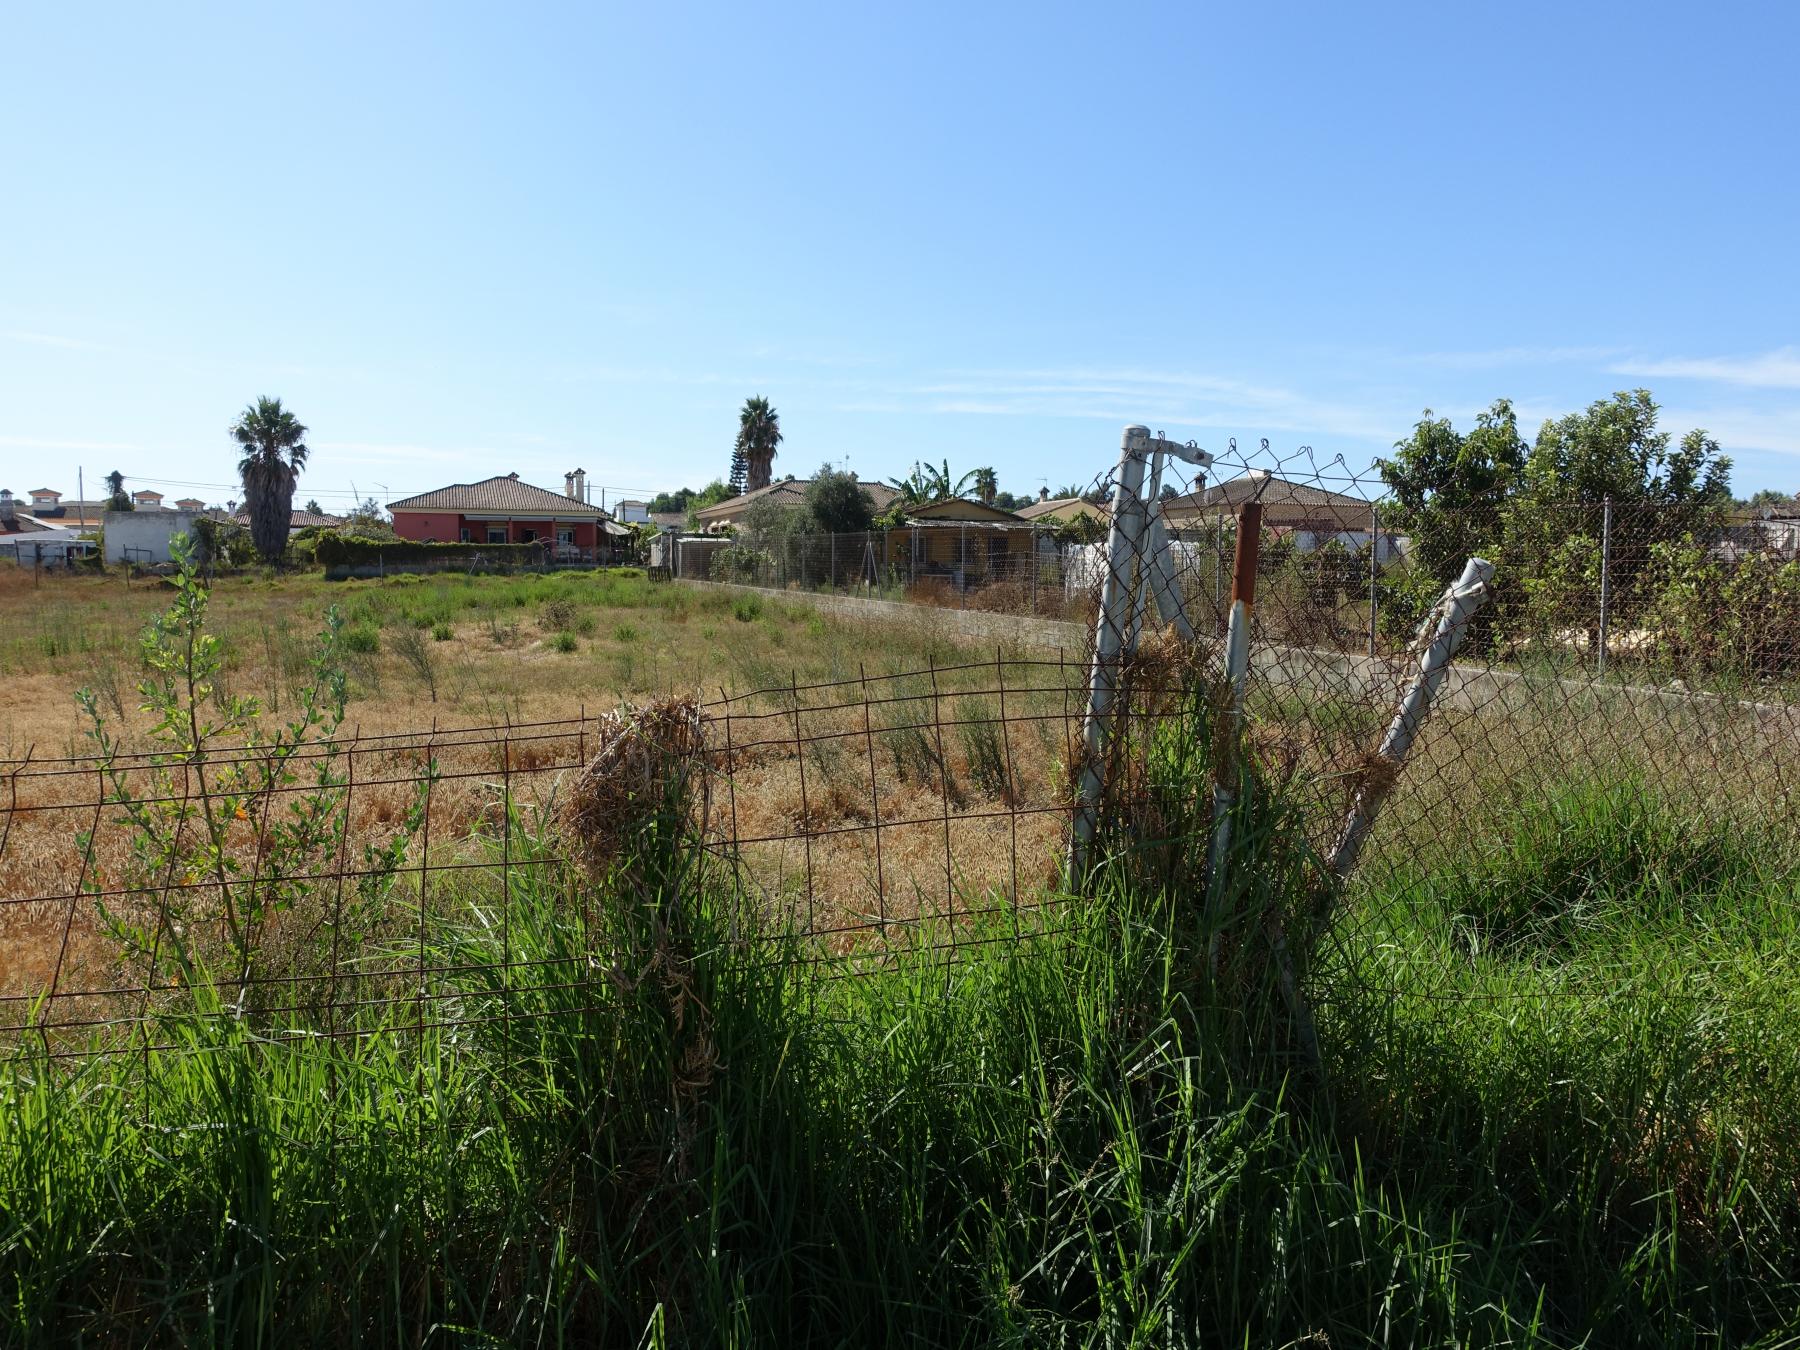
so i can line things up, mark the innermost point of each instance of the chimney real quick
(7, 509)
(580, 492)
(1043, 494)
(568, 485)
(514, 476)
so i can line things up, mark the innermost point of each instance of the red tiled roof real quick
(501, 493)
(791, 492)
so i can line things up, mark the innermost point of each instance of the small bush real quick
(442, 631)
(625, 632)
(984, 749)
(747, 608)
(565, 642)
(557, 615)
(362, 637)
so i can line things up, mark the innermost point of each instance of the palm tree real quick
(759, 432)
(117, 499)
(274, 453)
(987, 485)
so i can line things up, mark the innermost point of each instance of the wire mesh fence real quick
(1614, 748)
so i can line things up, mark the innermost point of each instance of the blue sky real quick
(472, 240)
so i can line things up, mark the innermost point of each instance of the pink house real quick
(504, 510)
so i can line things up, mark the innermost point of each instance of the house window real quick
(465, 534)
(528, 536)
(496, 534)
(565, 536)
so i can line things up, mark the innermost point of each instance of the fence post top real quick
(1134, 437)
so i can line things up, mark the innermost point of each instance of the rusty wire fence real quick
(1604, 677)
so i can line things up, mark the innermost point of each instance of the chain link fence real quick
(1609, 736)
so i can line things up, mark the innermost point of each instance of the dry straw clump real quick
(648, 756)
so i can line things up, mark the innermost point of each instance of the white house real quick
(142, 536)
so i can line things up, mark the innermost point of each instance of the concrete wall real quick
(143, 536)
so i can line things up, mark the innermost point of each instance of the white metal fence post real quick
(1150, 508)
(1123, 545)
(1452, 614)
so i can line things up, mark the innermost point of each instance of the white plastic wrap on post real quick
(1453, 611)
(1116, 601)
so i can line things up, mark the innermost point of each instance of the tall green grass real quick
(652, 1125)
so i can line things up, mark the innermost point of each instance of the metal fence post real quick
(1154, 537)
(1116, 603)
(1440, 637)
(1374, 570)
(1218, 567)
(1037, 565)
(1605, 581)
(1237, 670)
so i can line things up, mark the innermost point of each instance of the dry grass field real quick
(453, 650)
(867, 774)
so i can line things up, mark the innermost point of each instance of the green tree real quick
(274, 445)
(1771, 497)
(1450, 489)
(837, 503)
(987, 484)
(117, 499)
(759, 432)
(1659, 492)
(711, 495)
(312, 505)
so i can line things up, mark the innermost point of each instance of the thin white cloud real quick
(52, 443)
(1168, 398)
(1496, 357)
(49, 340)
(1777, 369)
(1776, 429)
(379, 450)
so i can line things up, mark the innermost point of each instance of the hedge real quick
(335, 550)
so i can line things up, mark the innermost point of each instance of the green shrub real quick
(362, 637)
(747, 608)
(442, 631)
(738, 563)
(565, 642)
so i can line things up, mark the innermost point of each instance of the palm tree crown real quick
(274, 445)
(759, 432)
